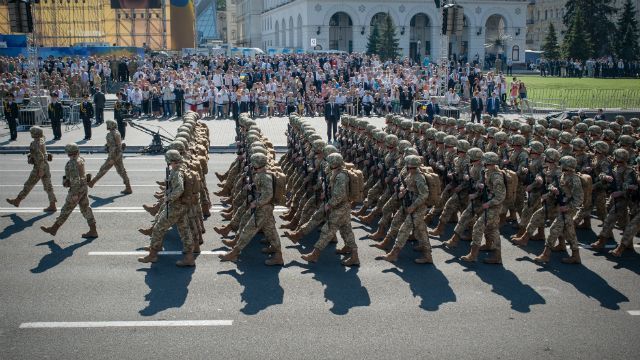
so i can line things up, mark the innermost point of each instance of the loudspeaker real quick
(20, 16)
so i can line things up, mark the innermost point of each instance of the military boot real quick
(472, 256)
(378, 235)
(275, 259)
(291, 226)
(495, 259)
(158, 196)
(488, 246)
(92, 233)
(361, 212)
(574, 258)
(344, 250)
(161, 183)
(205, 211)
(220, 177)
(585, 224)
(562, 245)
(503, 219)
(353, 260)
(51, 208)
(229, 242)
(523, 240)
(187, 260)
(391, 256)
(438, 230)
(452, 242)
(384, 244)
(146, 232)
(153, 209)
(600, 243)
(368, 219)
(544, 257)
(230, 256)
(294, 236)
(226, 217)
(425, 259)
(539, 236)
(127, 189)
(15, 202)
(221, 193)
(312, 257)
(521, 231)
(224, 231)
(52, 230)
(150, 258)
(620, 249)
(269, 250)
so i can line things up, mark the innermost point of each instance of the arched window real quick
(515, 53)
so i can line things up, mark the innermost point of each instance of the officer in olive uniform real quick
(86, 113)
(114, 157)
(56, 113)
(12, 113)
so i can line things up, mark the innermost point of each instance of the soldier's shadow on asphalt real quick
(168, 284)
(260, 284)
(57, 255)
(98, 201)
(19, 224)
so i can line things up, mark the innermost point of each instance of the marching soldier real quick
(76, 180)
(114, 157)
(38, 157)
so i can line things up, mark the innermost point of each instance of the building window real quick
(515, 53)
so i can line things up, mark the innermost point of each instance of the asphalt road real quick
(322, 311)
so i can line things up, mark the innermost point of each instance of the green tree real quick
(596, 16)
(577, 41)
(626, 45)
(388, 46)
(373, 40)
(550, 46)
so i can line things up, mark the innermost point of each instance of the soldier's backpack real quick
(434, 183)
(511, 186)
(356, 183)
(587, 189)
(191, 187)
(279, 187)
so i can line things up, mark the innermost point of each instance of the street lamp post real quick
(419, 46)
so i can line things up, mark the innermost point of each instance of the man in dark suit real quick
(433, 109)
(99, 101)
(56, 113)
(331, 116)
(476, 107)
(493, 105)
(11, 113)
(179, 93)
(86, 113)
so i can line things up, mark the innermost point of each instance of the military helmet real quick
(525, 129)
(582, 128)
(626, 140)
(259, 150)
(627, 129)
(601, 147)
(555, 124)
(486, 118)
(602, 123)
(111, 124)
(176, 145)
(318, 145)
(567, 124)
(463, 146)
(184, 134)
(635, 122)
(543, 122)
(412, 161)
(530, 120)
(496, 122)
(490, 158)
(553, 134)
(451, 121)
(475, 154)
(425, 126)
(536, 147)
(539, 130)
(515, 126)
(36, 132)
(595, 130)
(391, 141)
(328, 150)
(552, 155)
(403, 144)
(492, 130)
(71, 148)
(440, 136)
(589, 121)
(258, 160)
(430, 134)
(450, 141)
(410, 151)
(461, 123)
(501, 136)
(172, 156)
(506, 123)
(335, 160)
(518, 140)
(608, 134)
(568, 163)
(313, 137)
(615, 127)
(578, 144)
(621, 155)
(620, 119)
(370, 127)
(565, 137)
(406, 124)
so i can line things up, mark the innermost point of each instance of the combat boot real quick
(92, 233)
(466, 236)
(378, 235)
(544, 257)
(146, 232)
(391, 256)
(151, 257)
(539, 236)
(503, 219)
(600, 243)
(523, 240)
(384, 244)
(585, 224)
(196, 247)
(153, 209)
(496, 259)
(438, 230)
(52, 230)
(488, 246)
(221, 193)
(344, 250)
(269, 250)
(620, 249)
(187, 260)
(127, 190)
(361, 212)
(15, 202)
(353, 260)
(224, 231)
(368, 219)
(275, 259)
(312, 257)
(161, 183)
(562, 245)
(294, 236)
(291, 226)
(574, 258)
(425, 259)
(51, 208)
(230, 256)
(220, 177)
(205, 211)
(230, 242)
(452, 242)
(521, 231)
(226, 217)
(472, 256)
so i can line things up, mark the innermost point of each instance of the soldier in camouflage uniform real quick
(75, 179)
(487, 224)
(114, 157)
(38, 157)
(632, 228)
(568, 191)
(533, 183)
(338, 210)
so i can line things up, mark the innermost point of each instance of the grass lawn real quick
(585, 92)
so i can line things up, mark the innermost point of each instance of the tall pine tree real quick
(550, 46)
(389, 43)
(627, 47)
(597, 18)
(577, 41)
(373, 40)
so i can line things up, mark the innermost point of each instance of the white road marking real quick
(139, 253)
(111, 209)
(103, 324)
(634, 312)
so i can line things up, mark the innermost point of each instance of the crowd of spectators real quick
(603, 67)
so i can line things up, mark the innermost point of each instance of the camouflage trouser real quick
(455, 202)
(338, 219)
(76, 197)
(33, 180)
(382, 200)
(371, 181)
(487, 225)
(539, 217)
(373, 195)
(316, 219)
(530, 206)
(518, 202)
(237, 216)
(617, 211)
(175, 215)
(205, 199)
(308, 209)
(437, 208)
(467, 217)
(413, 223)
(261, 219)
(630, 231)
(598, 199)
(388, 211)
(118, 164)
(563, 226)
